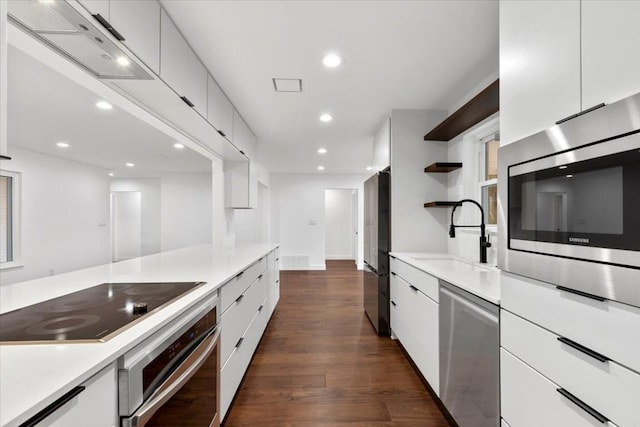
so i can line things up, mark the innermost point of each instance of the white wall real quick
(65, 215)
(338, 224)
(249, 224)
(297, 216)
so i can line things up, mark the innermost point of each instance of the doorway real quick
(126, 225)
(341, 224)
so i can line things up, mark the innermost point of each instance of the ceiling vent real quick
(60, 26)
(287, 85)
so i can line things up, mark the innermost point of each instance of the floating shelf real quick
(442, 167)
(440, 204)
(473, 112)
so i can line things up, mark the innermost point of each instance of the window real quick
(489, 176)
(9, 244)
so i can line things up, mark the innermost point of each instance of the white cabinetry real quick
(139, 23)
(97, 7)
(273, 274)
(243, 138)
(219, 109)
(180, 67)
(95, 405)
(382, 146)
(414, 318)
(560, 58)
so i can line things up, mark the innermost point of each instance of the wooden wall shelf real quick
(440, 204)
(442, 167)
(473, 112)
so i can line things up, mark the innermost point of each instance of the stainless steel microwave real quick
(569, 202)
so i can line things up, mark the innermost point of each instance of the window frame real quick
(16, 219)
(491, 133)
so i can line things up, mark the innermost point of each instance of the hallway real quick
(320, 363)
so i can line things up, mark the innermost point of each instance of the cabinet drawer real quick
(427, 284)
(616, 395)
(606, 327)
(235, 367)
(530, 400)
(238, 317)
(235, 287)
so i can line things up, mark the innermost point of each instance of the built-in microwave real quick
(569, 201)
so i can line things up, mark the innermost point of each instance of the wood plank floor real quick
(320, 362)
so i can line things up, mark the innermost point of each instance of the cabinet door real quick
(243, 138)
(219, 110)
(180, 67)
(539, 65)
(97, 7)
(610, 50)
(139, 23)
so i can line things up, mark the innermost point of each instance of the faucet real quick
(484, 243)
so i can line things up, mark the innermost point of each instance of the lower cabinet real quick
(414, 322)
(273, 277)
(94, 404)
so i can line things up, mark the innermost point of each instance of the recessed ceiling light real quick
(111, 174)
(178, 146)
(331, 60)
(62, 144)
(369, 168)
(124, 61)
(563, 167)
(569, 176)
(326, 118)
(130, 165)
(322, 150)
(320, 168)
(104, 105)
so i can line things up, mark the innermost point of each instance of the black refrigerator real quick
(377, 243)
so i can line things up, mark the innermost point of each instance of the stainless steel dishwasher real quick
(469, 357)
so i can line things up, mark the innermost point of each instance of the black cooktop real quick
(94, 314)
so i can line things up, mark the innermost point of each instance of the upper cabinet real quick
(139, 23)
(560, 58)
(97, 7)
(219, 110)
(180, 67)
(243, 138)
(382, 146)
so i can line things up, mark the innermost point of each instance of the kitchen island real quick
(35, 375)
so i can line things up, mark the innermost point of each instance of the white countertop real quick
(33, 376)
(480, 279)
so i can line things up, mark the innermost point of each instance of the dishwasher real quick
(469, 357)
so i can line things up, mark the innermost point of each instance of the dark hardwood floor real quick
(320, 362)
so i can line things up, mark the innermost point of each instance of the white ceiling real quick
(45, 107)
(397, 55)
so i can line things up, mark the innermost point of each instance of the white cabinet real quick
(610, 50)
(243, 138)
(414, 322)
(180, 67)
(97, 7)
(219, 109)
(139, 23)
(273, 274)
(382, 146)
(95, 405)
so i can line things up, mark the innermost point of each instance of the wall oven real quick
(173, 377)
(569, 201)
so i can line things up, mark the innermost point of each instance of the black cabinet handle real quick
(573, 116)
(108, 27)
(582, 294)
(393, 274)
(260, 276)
(239, 298)
(599, 357)
(40, 416)
(240, 342)
(579, 403)
(260, 309)
(393, 303)
(239, 274)
(222, 133)
(187, 101)
(413, 288)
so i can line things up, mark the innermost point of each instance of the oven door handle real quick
(176, 380)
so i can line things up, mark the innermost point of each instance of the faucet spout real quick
(484, 243)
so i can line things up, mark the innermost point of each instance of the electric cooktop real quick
(94, 314)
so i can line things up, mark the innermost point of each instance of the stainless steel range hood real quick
(59, 25)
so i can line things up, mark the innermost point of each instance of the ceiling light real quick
(130, 165)
(322, 151)
(369, 168)
(104, 105)
(62, 144)
(320, 168)
(569, 176)
(563, 167)
(331, 60)
(124, 61)
(326, 118)
(111, 174)
(178, 146)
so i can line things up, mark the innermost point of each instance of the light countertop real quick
(479, 279)
(33, 376)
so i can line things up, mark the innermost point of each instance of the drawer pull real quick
(187, 101)
(37, 418)
(260, 277)
(240, 342)
(413, 288)
(239, 298)
(260, 309)
(583, 349)
(588, 409)
(582, 294)
(393, 303)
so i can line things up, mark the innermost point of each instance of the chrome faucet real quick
(484, 243)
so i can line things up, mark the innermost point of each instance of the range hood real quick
(59, 25)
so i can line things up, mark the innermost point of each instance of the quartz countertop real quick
(33, 376)
(481, 280)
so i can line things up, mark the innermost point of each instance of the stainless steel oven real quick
(569, 202)
(173, 377)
